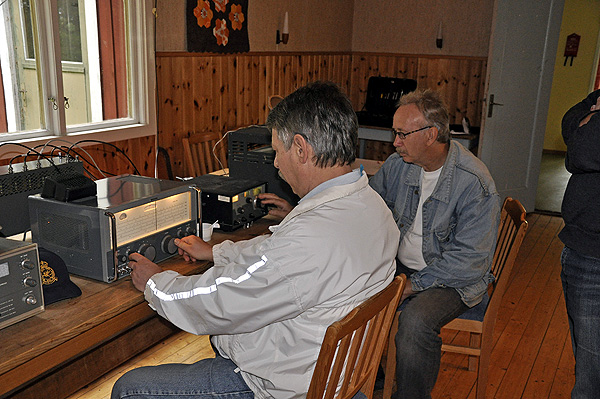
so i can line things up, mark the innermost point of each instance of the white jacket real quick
(269, 300)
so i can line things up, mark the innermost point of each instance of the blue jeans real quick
(418, 341)
(581, 285)
(207, 378)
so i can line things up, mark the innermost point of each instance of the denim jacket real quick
(460, 220)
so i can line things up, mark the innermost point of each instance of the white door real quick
(523, 48)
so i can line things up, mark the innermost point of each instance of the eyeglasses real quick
(403, 135)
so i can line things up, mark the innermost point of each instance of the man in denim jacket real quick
(446, 206)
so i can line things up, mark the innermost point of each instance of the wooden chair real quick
(479, 321)
(199, 158)
(352, 347)
(273, 101)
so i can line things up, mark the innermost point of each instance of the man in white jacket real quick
(268, 301)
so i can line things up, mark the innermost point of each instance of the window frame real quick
(142, 121)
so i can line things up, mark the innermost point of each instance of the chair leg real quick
(474, 342)
(390, 363)
(484, 363)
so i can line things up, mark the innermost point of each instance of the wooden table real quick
(75, 341)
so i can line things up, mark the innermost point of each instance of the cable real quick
(215, 154)
(137, 172)
(157, 103)
(30, 149)
(54, 147)
(81, 148)
(104, 173)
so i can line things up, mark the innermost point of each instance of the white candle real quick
(286, 29)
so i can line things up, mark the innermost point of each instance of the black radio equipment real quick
(95, 235)
(251, 156)
(20, 282)
(232, 202)
(20, 180)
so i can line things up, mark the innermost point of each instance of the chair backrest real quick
(274, 100)
(353, 346)
(199, 156)
(511, 232)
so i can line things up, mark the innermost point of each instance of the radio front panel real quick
(156, 247)
(233, 211)
(95, 239)
(21, 293)
(232, 202)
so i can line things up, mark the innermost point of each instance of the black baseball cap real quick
(56, 283)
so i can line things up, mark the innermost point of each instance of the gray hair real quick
(324, 116)
(433, 108)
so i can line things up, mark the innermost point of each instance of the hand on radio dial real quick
(282, 207)
(193, 248)
(141, 270)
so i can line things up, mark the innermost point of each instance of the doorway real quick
(553, 176)
(552, 183)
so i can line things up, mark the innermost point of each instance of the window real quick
(72, 67)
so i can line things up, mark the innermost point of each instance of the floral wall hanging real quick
(217, 26)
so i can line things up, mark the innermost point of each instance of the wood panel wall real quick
(200, 92)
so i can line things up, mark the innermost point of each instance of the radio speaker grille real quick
(64, 231)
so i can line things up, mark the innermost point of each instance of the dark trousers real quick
(418, 341)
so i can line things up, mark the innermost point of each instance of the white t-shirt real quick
(410, 253)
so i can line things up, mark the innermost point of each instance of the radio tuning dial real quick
(168, 244)
(29, 282)
(148, 251)
(27, 264)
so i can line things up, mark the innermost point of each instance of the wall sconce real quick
(439, 39)
(285, 33)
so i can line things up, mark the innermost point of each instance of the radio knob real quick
(148, 251)
(26, 264)
(190, 231)
(123, 258)
(30, 300)
(168, 245)
(30, 282)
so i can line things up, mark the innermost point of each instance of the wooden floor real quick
(532, 356)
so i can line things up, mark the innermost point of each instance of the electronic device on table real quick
(95, 235)
(382, 98)
(21, 293)
(231, 201)
(251, 156)
(22, 179)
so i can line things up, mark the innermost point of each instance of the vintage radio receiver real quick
(230, 201)
(95, 235)
(20, 283)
